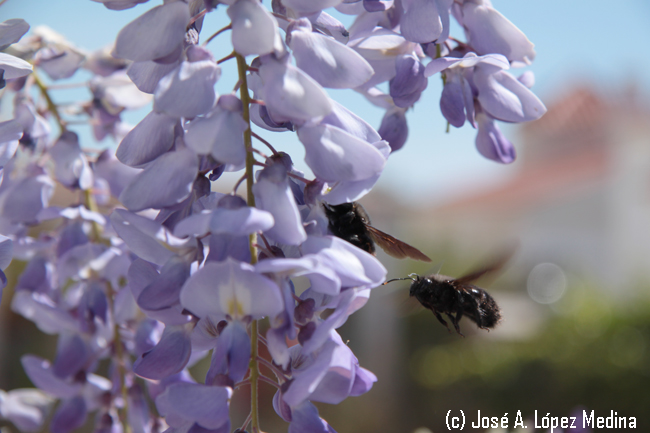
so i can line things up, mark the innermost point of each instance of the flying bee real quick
(457, 297)
(350, 222)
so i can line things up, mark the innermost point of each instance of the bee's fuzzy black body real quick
(349, 222)
(445, 295)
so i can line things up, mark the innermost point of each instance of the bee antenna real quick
(400, 279)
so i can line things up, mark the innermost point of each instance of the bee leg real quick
(441, 320)
(477, 317)
(455, 321)
(478, 314)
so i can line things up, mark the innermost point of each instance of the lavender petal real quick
(152, 137)
(168, 357)
(491, 143)
(505, 98)
(328, 61)
(205, 405)
(273, 194)
(11, 31)
(154, 34)
(230, 288)
(254, 29)
(188, 90)
(166, 181)
(70, 415)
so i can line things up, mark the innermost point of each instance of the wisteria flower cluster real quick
(148, 270)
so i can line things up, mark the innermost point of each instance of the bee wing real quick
(493, 267)
(394, 247)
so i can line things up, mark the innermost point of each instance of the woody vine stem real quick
(242, 68)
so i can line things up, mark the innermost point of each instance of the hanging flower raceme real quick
(480, 84)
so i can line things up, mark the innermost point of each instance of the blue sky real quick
(598, 42)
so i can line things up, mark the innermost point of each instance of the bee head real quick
(417, 282)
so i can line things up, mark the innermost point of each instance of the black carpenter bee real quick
(350, 222)
(457, 297)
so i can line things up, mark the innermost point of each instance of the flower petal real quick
(188, 90)
(505, 98)
(23, 200)
(354, 266)
(71, 355)
(426, 20)
(220, 133)
(232, 354)
(147, 74)
(409, 81)
(335, 155)
(59, 62)
(70, 415)
(345, 119)
(14, 67)
(72, 168)
(305, 418)
(166, 181)
(225, 245)
(350, 301)
(150, 138)
(394, 128)
(40, 309)
(307, 379)
(6, 249)
(254, 29)
(154, 34)
(273, 194)
(491, 143)
(205, 405)
(168, 357)
(164, 290)
(490, 32)
(26, 408)
(11, 31)
(328, 61)
(143, 236)
(230, 288)
(140, 275)
(452, 104)
(306, 7)
(290, 94)
(40, 373)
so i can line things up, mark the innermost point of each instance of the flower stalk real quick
(242, 67)
(51, 106)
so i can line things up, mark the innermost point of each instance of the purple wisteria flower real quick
(12, 67)
(152, 261)
(479, 87)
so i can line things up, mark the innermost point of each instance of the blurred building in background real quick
(580, 199)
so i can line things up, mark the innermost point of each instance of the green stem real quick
(51, 106)
(207, 41)
(254, 378)
(91, 205)
(248, 140)
(119, 354)
(242, 68)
